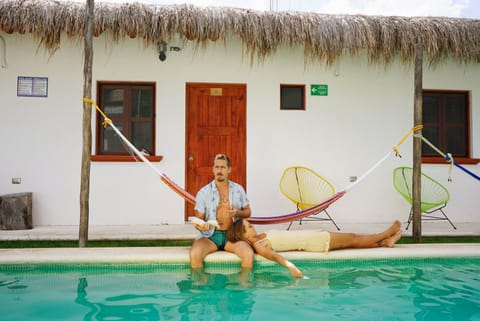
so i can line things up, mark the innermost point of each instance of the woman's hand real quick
(294, 270)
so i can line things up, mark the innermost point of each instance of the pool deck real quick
(187, 232)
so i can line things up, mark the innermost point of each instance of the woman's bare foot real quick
(394, 228)
(390, 241)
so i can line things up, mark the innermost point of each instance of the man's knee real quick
(195, 252)
(245, 252)
(199, 250)
(196, 257)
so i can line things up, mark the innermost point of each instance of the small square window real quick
(292, 97)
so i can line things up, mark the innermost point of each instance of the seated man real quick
(222, 201)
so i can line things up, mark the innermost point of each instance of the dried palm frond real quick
(324, 37)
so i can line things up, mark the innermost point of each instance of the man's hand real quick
(233, 211)
(202, 227)
(243, 212)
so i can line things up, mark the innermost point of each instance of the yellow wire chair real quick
(305, 188)
(434, 196)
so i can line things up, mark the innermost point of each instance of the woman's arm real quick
(271, 255)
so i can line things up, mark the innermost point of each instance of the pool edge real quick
(179, 255)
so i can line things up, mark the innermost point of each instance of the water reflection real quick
(118, 309)
(450, 298)
(199, 296)
(215, 296)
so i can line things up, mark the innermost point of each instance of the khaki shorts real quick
(304, 240)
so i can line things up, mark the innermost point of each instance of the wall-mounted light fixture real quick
(162, 49)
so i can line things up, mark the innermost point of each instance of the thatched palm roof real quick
(323, 37)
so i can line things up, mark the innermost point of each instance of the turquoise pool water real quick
(397, 289)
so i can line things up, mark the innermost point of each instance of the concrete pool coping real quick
(179, 255)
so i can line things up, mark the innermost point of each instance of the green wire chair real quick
(434, 195)
(305, 188)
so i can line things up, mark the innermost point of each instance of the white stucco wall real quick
(368, 109)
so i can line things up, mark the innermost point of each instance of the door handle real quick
(190, 158)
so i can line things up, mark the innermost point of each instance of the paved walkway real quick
(187, 232)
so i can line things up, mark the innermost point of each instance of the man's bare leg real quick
(352, 240)
(243, 250)
(199, 250)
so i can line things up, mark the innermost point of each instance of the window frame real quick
(304, 101)
(461, 160)
(100, 157)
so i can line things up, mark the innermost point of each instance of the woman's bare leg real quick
(387, 238)
(390, 242)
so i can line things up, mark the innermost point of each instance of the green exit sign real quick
(319, 90)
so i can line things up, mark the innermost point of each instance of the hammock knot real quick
(404, 138)
(449, 158)
(88, 100)
(106, 122)
(397, 152)
(418, 127)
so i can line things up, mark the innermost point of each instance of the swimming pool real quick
(376, 289)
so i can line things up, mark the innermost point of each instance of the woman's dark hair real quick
(236, 231)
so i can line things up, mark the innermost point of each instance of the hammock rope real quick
(325, 204)
(175, 187)
(256, 220)
(377, 164)
(448, 157)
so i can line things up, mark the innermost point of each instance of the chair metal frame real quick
(303, 197)
(402, 182)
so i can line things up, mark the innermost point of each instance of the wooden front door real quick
(215, 124)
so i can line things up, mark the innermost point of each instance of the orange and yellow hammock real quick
(255, 220)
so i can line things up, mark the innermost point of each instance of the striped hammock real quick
(256, 220)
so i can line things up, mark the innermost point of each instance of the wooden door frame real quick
(188, 114)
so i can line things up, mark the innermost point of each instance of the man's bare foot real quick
(390, 241)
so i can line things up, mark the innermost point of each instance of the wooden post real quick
(86, 128)
(417, 147)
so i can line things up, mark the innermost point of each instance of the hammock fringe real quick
(297, 215)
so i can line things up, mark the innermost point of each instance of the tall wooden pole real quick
(86, 128)
(417, 147)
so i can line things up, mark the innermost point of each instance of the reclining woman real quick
(268, 244)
